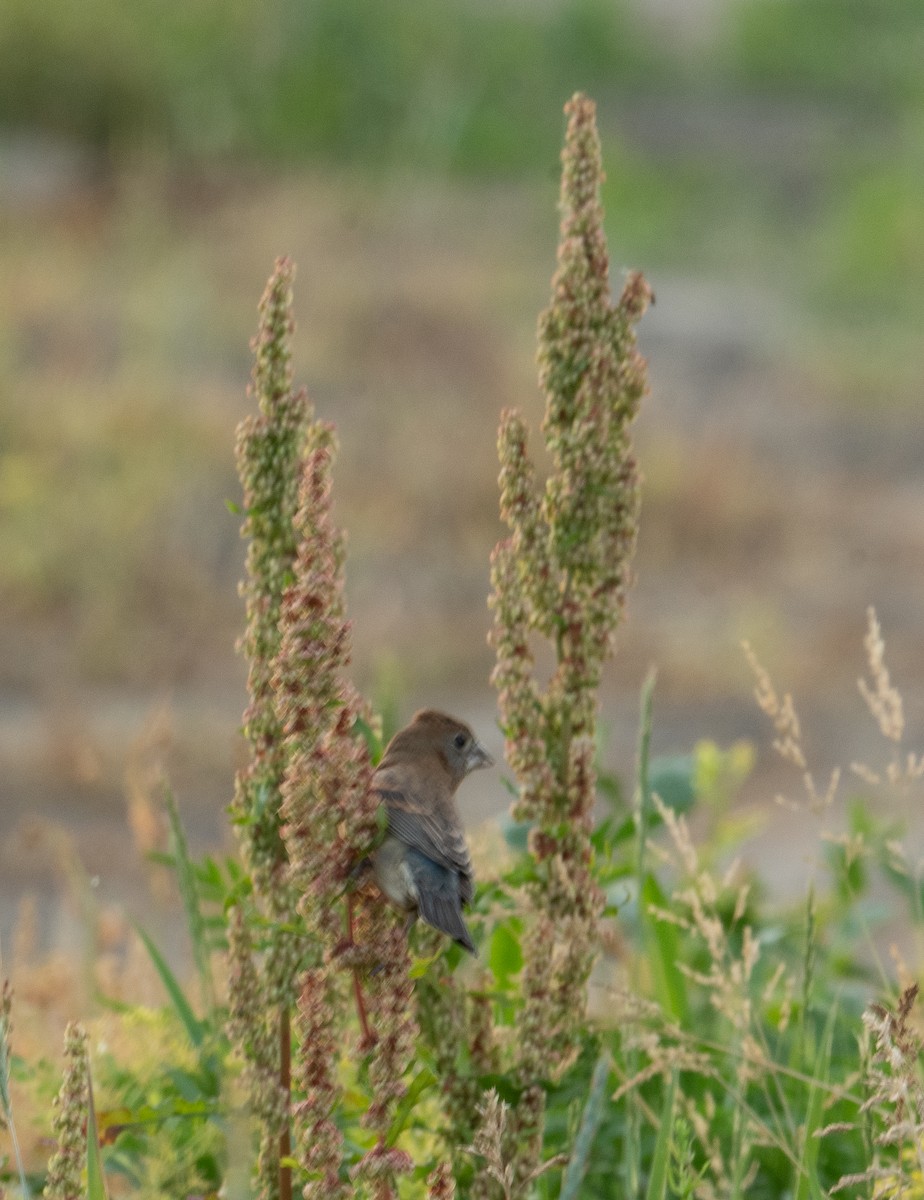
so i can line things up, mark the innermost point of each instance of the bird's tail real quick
(444, 915)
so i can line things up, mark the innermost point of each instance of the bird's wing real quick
(429, 831)
(438, 892)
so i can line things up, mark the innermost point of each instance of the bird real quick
(423, 865)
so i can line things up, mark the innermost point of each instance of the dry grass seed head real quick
(680, 836)
(885, 704)
(895, 1094)
(489, 1139)
(883, 700)
(788, 743)
(729, 974)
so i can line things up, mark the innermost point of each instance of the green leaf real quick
(505, 956)
(807, 1186)
(195, 1028)
(507, 1089)
(610, 787)
(160, 858)
(420, 966)
(370, 737)
(523, 872)
(663, 942)
(608, 835)
(241, 889)
(189, 891)
(590, 1123)
(516, 834)
(673, 779)
(96, 1186)
(233, 507)
(657, 1180)
(188, 1087)
(423, 1080)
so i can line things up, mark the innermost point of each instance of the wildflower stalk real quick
(6, 1102)
(330, 816)
(304, 808)
(270, 447)
(257, 1040)
(325, 782)
(70, 1120)
(562, 575)
(329, 813)
(452, 1017)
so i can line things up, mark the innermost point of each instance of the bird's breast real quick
(393, 875)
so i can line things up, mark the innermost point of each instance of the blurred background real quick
(765, 163)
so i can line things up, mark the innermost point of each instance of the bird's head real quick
(451, 740)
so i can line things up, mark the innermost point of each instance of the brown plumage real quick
(423, 866)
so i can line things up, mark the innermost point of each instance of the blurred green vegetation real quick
(468, 88)
(856, 52)
(460, 84)
(457, 84)
(861, 61)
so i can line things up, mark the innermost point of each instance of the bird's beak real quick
(477, 757)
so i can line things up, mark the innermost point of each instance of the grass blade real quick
(193, 1026)
(643, 794)
(657, 1180)
(96, 1184)
(189, 891)
(590, 1123)
(806, 1183)
(423, 1080)
(663, 946)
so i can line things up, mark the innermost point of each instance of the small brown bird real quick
(423, 866)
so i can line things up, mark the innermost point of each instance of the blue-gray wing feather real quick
(439, 899)
(442, 841)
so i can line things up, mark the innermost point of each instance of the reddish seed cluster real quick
(440, 1183)
(319, 1143)
(257, 1040)
(303, 802)
(390, 997)
(329, 815)
(562, 576)
(328, 810)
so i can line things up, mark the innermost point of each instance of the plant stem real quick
(285, 1081)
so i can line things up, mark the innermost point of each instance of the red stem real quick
(368, 1036)
(285, 1080)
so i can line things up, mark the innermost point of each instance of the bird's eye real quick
(459, 741)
